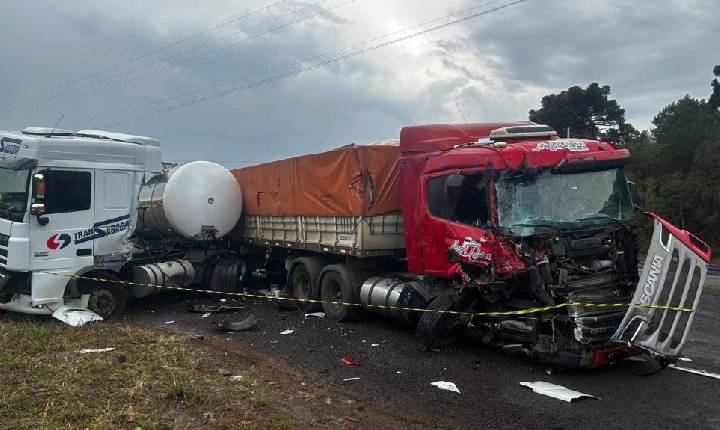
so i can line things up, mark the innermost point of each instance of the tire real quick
(437, 329)
(228, 275)
(338, 283)
(305, 282)
(107, 299)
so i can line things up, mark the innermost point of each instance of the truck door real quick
(113, 206)
(58, 237)
(457, 214)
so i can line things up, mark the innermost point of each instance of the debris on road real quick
(375, 344)
(316, 315)
(351, 379)
(213, 309)
(75, 317)
(349, 361)
(90, 351)
(444, 385)
(247, 324)
(684, 359)
(556, 391)
(696, 371)
(287, 332)
(236, 378)
(224, 372)
(206, 315)
(170, 322)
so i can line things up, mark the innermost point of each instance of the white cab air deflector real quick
(202, 196)
(47, 131)
(122, 137)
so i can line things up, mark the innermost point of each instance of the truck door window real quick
(66, 191)
(116, 190)
(468, 205)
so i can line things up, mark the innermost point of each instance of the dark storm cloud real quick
(651, 53)
(492, 68)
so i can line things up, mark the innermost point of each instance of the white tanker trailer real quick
(96, 204)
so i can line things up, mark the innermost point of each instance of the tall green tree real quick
(679, 174)
(714, 100)
(588, 113)
(682, 127)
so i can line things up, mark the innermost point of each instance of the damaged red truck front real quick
(503, 232)
(537, 235)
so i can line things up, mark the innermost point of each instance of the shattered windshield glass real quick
(545, 199)
(13, 193)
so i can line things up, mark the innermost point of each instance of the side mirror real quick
(37, 207)
(454, 182)
(635, 193)
(453, 186)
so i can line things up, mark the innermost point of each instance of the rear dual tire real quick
(304, 282)
(340, 291)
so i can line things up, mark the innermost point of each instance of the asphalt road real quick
(396, 375)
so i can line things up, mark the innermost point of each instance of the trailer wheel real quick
(439, 329)
(107, 299)
(340, 284)
(304, 283)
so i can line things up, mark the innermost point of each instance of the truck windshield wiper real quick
(540, 225)
(602, 217)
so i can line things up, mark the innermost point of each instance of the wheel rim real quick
(302, 285)
(334, 293)
(102, 302)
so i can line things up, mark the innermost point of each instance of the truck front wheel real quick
(107, 299)
(439, 327)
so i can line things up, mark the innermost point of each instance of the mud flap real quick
(668, 293)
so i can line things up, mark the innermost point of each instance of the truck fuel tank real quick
(173, 273)
(393, 297)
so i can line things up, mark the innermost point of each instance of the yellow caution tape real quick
(400, 308)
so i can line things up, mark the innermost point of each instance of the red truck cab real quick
(517, 218)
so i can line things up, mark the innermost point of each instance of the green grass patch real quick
(151, 380)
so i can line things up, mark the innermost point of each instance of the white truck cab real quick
(68, 203)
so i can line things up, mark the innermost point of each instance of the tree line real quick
(676, 164)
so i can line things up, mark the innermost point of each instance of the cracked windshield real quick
(13, 193)
(562, 200)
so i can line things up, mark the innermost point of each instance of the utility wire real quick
(285, 66)
(185, 60)
(275, 69)
(11, 105)
(300, 70)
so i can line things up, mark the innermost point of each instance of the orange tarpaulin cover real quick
(349, 181)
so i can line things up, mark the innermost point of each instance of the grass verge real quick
(151, 380)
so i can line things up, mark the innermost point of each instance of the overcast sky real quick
(79, 59)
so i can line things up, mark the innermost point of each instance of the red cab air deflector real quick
(688, 239)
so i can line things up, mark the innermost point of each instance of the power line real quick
(300, 70)
(285, 66)
(225, 23)
(182, 61)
